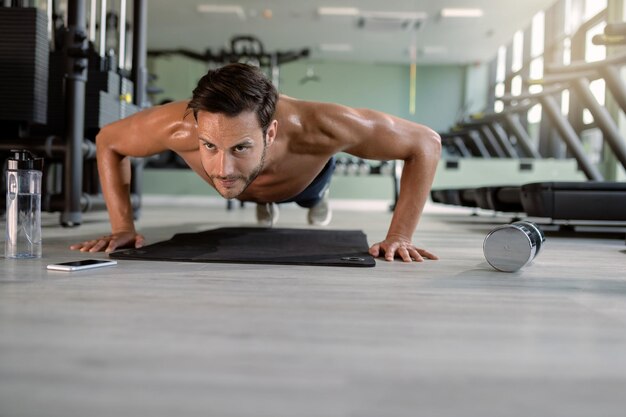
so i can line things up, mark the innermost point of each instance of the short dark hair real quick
(235, 88)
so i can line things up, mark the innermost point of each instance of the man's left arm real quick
(385, 137)
(417, 177)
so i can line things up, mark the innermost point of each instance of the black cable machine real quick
(243, 48)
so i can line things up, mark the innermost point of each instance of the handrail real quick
(487, 117)
(606, 40)
(531, 96)
(582, 66)
(563, 78)
(615, 29)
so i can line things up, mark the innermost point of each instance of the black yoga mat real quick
(260, 246)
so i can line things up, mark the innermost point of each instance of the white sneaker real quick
(267, 214)
(320, 214)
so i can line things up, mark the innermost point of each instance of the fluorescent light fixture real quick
(336, 47)
(338, 11)
(458, 12)
(394, 15)
(433, 50)
(222, 9)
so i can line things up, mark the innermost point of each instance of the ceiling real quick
(284, 25)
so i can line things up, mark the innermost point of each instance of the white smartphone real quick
(81, 265)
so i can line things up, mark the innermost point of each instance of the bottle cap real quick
(23, 159)
(508, 248)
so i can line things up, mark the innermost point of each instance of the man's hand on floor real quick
(111, 242)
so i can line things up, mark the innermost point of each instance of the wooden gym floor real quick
(444, 338)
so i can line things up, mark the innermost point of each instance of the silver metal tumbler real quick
(510, 247)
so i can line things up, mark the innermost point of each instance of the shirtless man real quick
(251, 144)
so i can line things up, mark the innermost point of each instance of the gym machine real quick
(245, 49)
(493, 137)
(506, 131)
(593, 200)
(71, 91)
(614, 34)
(463, 142)
(596, 200)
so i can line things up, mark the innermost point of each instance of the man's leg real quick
(267, 214)
(315, 197)
(321, 214)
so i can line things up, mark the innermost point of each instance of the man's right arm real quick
(142, 134)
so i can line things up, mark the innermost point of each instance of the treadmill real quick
(597, 199)
(487, 137)
(594, 200)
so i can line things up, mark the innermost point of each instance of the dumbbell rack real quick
(352, 166)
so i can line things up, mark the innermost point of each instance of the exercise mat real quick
(260, 246)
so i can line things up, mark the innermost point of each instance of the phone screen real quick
(84, 262)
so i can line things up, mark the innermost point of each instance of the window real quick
(593, 7)
(500, 74)
(594, 53)
(517, 51)
(537, 31)
(516, 85)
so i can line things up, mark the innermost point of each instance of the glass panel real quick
(536, 68)
(537, 34)
(516, 85)
(567, 51)
(534, 114)
(499, 89)
(501, 66)
(569, 21)
(593, 7)
(518, 51)
(594, 52)
(598, 88)
(565, 102)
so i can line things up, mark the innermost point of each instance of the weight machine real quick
(62, 83)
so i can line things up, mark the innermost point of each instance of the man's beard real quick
(249, 179)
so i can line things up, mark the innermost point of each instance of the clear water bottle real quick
(23, 211)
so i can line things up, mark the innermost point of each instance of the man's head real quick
(234, 107)
(234, 89)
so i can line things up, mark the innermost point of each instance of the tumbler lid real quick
(23, 159)
(508, 248)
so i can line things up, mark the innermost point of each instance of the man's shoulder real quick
(175, 123)
(175, 108)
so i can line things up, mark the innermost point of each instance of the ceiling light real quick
(335, 47)
(222, 9)
(433, 50)
(395, 15)
(391, 20)
(454, 12)
(338, 11)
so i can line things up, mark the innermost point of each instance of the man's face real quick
(232, 150)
